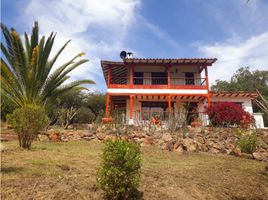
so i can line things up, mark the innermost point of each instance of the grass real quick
(68, 171)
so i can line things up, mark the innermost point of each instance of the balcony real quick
(158, 83)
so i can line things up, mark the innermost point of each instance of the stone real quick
(246, 155)
(177, 145)
(236, 152)
(101, 136)
(43, 138)
(170, 145)
(2, 147)
(148, 141)
(54, 136)
(214, 151)
(166, 137)
(189, 145)
(179, 150)
(261, 155)
(229, 146)
(217, 146)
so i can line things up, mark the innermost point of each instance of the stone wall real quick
(212, 140)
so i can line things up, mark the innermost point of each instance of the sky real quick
(233, 31)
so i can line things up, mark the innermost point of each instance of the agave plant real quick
(26, 70)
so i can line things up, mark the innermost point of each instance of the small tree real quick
(228, 113)
(27, 122)
(119, 173)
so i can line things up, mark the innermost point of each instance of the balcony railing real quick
(159, 81)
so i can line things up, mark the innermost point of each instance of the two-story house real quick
(143, 88)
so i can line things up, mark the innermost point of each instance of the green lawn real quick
(68, 170)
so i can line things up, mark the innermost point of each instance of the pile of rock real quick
(212, 140)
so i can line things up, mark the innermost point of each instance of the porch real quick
(158, 109)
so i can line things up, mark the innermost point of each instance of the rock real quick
(166, 137)
(87, 134)
(229, 146)
(261, 155)
(266, 167)
(101, 136)
(54, 136)
(246, 155)
(177, 145)
(179, 150)
(169, 145)
(189, 145)
(42, 138)
(236, 152)
(2, 147)
(214, 151)
(148, 141)
(217, 146)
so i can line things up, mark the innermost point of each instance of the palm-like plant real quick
(26, 76)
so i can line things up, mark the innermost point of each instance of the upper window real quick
(189, 78)
(159, 78)
(138, 78)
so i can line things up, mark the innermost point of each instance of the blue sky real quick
(234, 31)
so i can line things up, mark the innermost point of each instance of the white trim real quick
(156, 91)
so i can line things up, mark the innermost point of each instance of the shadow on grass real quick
(6, 170)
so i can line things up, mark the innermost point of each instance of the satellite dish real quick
(123, 55)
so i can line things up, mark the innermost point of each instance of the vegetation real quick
(246, 80)
(27, 77)
(69, 171)
(119, 173)
(228, 113)
(27, 122)
(248, 143)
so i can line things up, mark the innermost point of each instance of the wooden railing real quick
(159, 81)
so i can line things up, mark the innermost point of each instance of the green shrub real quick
(84, 115)
(27, 122)
(248, 143)
(119, 173)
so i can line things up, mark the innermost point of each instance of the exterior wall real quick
(259, 120)
(176, 71)
(246, 101)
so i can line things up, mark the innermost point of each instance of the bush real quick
(27, 122)
(228, 113)
(248, 144)
(119, 173)
(84, 115)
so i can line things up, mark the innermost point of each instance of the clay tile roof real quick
(207, 61)
(252, 95)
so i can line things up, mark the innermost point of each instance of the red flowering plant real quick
(227, 114)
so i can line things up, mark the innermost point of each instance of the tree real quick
(246, 80)
(26, 71)
(27, 77)
(95, 102)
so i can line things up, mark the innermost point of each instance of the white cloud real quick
(97, 28)
(251, 52)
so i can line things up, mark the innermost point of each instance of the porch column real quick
(111, 106)
(131, 109)
(109, 76)
(131, 76)
(107, 105)
(169, 104)
(206, 73)
(168, 71)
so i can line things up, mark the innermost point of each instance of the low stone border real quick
(212, 140)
